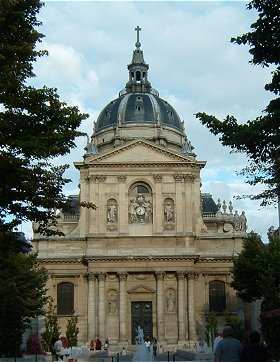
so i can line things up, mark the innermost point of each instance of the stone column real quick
(101, 305)
(158, 211)
(160, 306)
(181, 306)
(123, 205)
(123, 331)
(192, 328)
(91, 307)
(84, 212)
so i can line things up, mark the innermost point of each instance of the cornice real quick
(158, 164)
(197, 259)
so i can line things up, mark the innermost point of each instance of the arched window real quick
(140, 204)
(138, 76)
(65, 298)
(217, 296)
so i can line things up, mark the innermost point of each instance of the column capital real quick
(188, 177)
(91, 276)
(160, 274)
(193, 276)
(178, 177)
(181, 274)
(98, 178)
(101, 276)
(122, 275)
(122, 178)
(157, 178)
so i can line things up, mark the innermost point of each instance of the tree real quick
(256, 276)
(22, 292)
(259, 138)
(35, 126)
(72, 331)
(52, 330)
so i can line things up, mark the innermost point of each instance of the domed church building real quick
(156, 252)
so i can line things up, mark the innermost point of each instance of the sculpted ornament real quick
(140, 210)
(171, 301)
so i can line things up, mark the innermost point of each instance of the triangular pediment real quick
(141, 289)
(139, 151)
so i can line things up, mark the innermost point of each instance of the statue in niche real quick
(169, 211)
(170, 301)
(112, 305)
(112, 212)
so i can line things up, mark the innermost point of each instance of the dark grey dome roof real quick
(138, 108)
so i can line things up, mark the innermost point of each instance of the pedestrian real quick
(98, 344)
(229, 348)
(154, 347)
(254, 350)
(218, 338)
(106, 344)
(58, 349)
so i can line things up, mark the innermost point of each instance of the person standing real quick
(229, 348)
(254, 351)
(155, 347)
(58, 349)
(217, 339)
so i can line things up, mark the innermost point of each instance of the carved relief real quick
(170, 301)
(112, 302)
(121, 178)
(140, 208)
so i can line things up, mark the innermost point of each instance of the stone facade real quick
(151, 238)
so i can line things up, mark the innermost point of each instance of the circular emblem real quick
(140, 211)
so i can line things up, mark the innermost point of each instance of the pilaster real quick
(181, 306)
(160, 306)
(123, 311)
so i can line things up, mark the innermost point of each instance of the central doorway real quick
(141, 315)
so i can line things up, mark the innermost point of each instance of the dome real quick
(138, 108)
(138, 112)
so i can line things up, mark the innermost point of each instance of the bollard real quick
(168, 353)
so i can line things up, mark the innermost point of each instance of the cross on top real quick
(137, 44)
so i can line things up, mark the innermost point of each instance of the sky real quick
(193, 65)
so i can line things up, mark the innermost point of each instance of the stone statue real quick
(112, 213)
(132, 211)
(236, 221)
(112, 305)
(243, 221)
(187, 147)
(170, 302)
(168, 212)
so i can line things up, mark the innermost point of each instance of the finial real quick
(138, 44)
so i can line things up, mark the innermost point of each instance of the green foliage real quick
(52, 330)
(22, 292)
(236, 324)
(256, 275)
(35, 126)
(211, 329)
(72, 331)
(258, 138)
